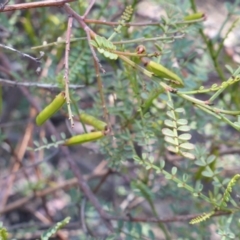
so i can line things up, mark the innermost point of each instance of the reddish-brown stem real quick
(2, 5)
(87, 191)
(179, 218)
(79, 18)
(20, 151)
(97, 66)
(22, 6)
(113, 24)
(65, 185)
(89, 8)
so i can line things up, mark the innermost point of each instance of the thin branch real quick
(66, 74)
(79, 19)
(23, 54)
(136, 40)
(221, 45)
(26, 167)
(82, 215)
(179, 218)
(12, 83)
(90, 34)
(3, 5)
(65, 185)
(87, 30)
(59, 41)
(138, 24)
(75, 225)
(152, 39)
(97, 66)
(89, 8)
(113, 24)
(210, 47)
(86, 189)
(20, 151)
(129, 218)
(22, 6)
(135, 54)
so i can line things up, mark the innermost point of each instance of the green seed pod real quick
(83, 138)
(160, 71)
(50, 109)
(194, 16)
(92, 121)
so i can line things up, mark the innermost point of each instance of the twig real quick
(65, 185)
(87, 30)
(87, 191)
(25, 167)
(210, 47)
(66, 74)
(136, 40)
(12, 83)
(139, 24)
(3, 5)
(135, 54)
(90, 34)
(23, 54)
(89, 8)
(179, 218)
(75, 225)
(59, 41)
(221, 45)
(82, 215)
(103, 179)
(97, 66)
(20, 151)
(152, 39)
(22, 6)
(79, 19)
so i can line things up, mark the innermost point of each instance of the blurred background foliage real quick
(125, 174)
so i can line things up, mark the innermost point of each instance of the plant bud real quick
(141, 49)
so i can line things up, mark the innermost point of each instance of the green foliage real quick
(226, 195)
(46, 144)
(3, 232)
(201, 218)
(50, 232)
(104, 47)
(225, 230)
(179, 142)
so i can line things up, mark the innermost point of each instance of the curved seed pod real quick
(92, 121)
(194, 16)
(83, 138)
(160, 71)
(51, 108)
